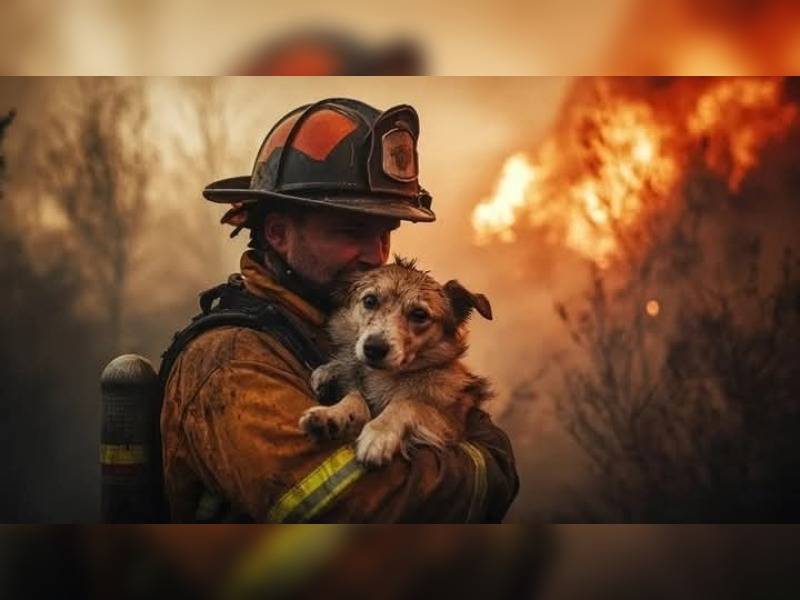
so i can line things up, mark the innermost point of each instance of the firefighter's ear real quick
(276, 231)
(463, 301)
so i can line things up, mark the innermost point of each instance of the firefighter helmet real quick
(338, 153)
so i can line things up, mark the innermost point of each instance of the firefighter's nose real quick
(375, 348)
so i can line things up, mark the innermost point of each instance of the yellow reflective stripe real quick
(319, 488)
(334, 492)
(476, 509)
(126, 454)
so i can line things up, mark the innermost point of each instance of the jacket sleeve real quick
(475, 481)
(242, 431)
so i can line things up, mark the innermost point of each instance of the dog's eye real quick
(370, 301)
(419, 315)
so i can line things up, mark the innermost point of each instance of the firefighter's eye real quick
(419, 315)
(370, 301)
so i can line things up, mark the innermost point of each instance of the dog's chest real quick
(377, 387)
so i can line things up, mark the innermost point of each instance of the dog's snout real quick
(375, 348)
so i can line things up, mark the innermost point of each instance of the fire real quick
(617, 157)
(652, 308)
(737, 117)
(496, 216)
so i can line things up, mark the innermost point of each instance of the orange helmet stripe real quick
(321, 132)
(278, 137)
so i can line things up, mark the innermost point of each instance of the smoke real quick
(84, 273)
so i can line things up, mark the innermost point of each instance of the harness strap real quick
(238, 308)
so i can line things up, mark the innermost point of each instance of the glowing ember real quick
(652, 308)
(615, 159)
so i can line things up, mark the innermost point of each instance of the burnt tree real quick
(95, 169)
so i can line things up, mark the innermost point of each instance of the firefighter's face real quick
(325, 246)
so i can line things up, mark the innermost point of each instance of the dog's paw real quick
(377, 445)
(325, 385)
(321, 423)
(330, 423)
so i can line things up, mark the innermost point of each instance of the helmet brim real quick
(237, 189)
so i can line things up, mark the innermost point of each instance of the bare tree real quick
(96, 167)
(695, 420)
(206, 154)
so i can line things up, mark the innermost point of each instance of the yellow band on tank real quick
(124, 454)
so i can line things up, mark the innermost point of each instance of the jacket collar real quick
(266, 279)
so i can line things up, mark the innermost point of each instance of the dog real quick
(398, 336)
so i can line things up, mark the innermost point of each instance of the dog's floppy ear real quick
(464, 301)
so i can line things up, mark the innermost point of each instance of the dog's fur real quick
(419, 392)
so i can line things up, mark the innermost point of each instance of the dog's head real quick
(399, 318)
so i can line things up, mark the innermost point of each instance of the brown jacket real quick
(229, 430)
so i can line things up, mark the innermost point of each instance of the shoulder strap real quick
(236, 307)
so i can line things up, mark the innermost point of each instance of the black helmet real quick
(338, 153)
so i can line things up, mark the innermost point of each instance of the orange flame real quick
(736, 117)
(617, 158)
(497, 215)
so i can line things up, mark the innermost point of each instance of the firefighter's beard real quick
(318, 279)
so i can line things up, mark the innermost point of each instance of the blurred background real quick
(337, 561)
(637, 238)
(510, 37)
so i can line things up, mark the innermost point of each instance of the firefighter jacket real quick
(233, 451)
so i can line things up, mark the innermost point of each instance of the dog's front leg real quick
(384, 435)
(402, 424)
(340, 421)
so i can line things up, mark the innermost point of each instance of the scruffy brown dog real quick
(399, 336)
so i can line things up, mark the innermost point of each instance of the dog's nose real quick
(375, 348)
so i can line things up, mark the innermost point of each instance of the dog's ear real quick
(464, 301)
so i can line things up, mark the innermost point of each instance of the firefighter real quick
(330, 183)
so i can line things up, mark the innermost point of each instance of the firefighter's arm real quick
(242, 429)
(475, 481)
